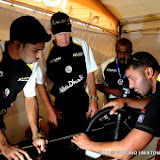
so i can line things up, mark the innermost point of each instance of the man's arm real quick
(53, 114)
(138, 103)
(107, 90)
(136, 140)
(93, 107)
(33, 114)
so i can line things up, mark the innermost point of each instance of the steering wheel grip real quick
(126, 114)
(100, 114)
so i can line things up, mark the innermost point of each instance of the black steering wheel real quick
(106, 127)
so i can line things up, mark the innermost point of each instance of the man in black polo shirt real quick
(143, 74)
(70, 65)
(18, 70)
(112, 80)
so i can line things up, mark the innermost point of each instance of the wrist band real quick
(38, 135)
(94, 97)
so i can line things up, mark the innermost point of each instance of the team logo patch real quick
(120, 82)
(141, 118)
(6, 93)
(68, 69)
(143, 111)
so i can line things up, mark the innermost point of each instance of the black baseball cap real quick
(60, 22)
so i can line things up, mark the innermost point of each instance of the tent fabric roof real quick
(128, 11)
(104, 14)
(88, 11)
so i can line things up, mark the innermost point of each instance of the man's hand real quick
(53, 115)
(82, 141)
(40, 144)
(116, 104)
(93, 108)
(13, 152)
(117, 92)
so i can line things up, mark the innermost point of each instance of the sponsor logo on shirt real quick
(23, 79)
(55, 60)
(111, 70)
(78, 54)
(1, 74)
(71, 83)
(143, 111)
(141, 118)
(68, 69)
(6, 92)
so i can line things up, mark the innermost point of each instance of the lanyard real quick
(124, 76)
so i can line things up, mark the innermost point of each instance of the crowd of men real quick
(70, 67)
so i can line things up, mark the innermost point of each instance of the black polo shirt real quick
(149, 118)
(115, 78)
(66, 67)
(112, 76)
(14, 74)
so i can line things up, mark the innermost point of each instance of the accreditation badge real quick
(120, 82)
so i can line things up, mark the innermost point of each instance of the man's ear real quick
(18, 44)
(149, 72)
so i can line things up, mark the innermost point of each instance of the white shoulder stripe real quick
(2, 49)
(105, 64)
(158, 78)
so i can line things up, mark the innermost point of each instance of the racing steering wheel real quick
(106, 127)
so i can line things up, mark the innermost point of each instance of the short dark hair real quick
(141, 59)
(124, 41)
(27, 29)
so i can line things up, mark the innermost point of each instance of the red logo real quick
(143, 111)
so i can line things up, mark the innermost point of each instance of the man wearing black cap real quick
(18, 70)
(70, 64)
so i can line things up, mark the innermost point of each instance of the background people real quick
(18, 67)
(115, 84)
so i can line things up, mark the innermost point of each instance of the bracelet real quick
(94, 97)
(38, 135)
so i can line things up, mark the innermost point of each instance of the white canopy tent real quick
(99, 22)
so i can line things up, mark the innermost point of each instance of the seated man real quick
(142, 71)
(112, 73)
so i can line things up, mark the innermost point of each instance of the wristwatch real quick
(94, 97)
(38, 135)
